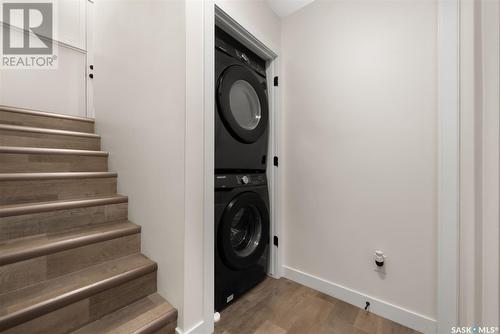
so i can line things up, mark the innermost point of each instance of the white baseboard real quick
(199, 328)
(384, 309)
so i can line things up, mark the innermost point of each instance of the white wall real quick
(360, 139)
(257, 17)
(60, 90)
(148, 105)
(359, 81)
(140, 112)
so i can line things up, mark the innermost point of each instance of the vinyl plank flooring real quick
(268, 327)
(285, 307)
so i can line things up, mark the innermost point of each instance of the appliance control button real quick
(245, 179)
(244, 57)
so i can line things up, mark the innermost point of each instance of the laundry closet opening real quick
(245, 152)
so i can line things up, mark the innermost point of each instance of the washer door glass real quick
(243, 232)
(245, 105)
(242, 103)
(246, 230)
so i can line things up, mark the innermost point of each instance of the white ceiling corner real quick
(283, 8)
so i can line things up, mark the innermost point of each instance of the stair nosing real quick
(57, 302)
(30, 208)
(56, 176)
(55, 151)
(45, 114)
(65, 244)
(158, 323)
(11, 127)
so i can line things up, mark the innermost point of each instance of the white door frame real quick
(480, 188)
(214, 15)
(208, 165)
(490, 165)
(233, 28)
(448, 165)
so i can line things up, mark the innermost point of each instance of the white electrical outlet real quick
(379, 261)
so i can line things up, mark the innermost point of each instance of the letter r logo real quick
(27, 28)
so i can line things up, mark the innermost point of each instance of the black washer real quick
(243, 232)
(241, 235)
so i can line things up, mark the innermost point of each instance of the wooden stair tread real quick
(42, 119)
(29, 208)
(25, 248)
(43, 150)
(21, 128)
(144, 316)
(69, 258)
(35, 300)
(45, 114)
(55, 176)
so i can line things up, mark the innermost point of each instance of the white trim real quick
(490, 21)
(199, 328)
(448, 164)
(213, 14)
(89, 59)
(232, 27)
(208, 163)
(382, 308)
(469, 176)
(273, 172)
(198, 196)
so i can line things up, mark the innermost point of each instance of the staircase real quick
(70, 261)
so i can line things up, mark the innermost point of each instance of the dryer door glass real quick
(243, 232)
(244, 104)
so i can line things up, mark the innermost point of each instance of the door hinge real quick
(275, 240)
(276, 81)
(275, 161)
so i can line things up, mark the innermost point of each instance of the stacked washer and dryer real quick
(241, 146)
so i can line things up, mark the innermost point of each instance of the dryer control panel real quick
(233, 48)
(239, 180)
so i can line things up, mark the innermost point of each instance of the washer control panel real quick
(239, 180)
(245, 179)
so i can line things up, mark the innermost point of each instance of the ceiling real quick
(283, 8)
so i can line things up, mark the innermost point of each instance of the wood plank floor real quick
(285, 307)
